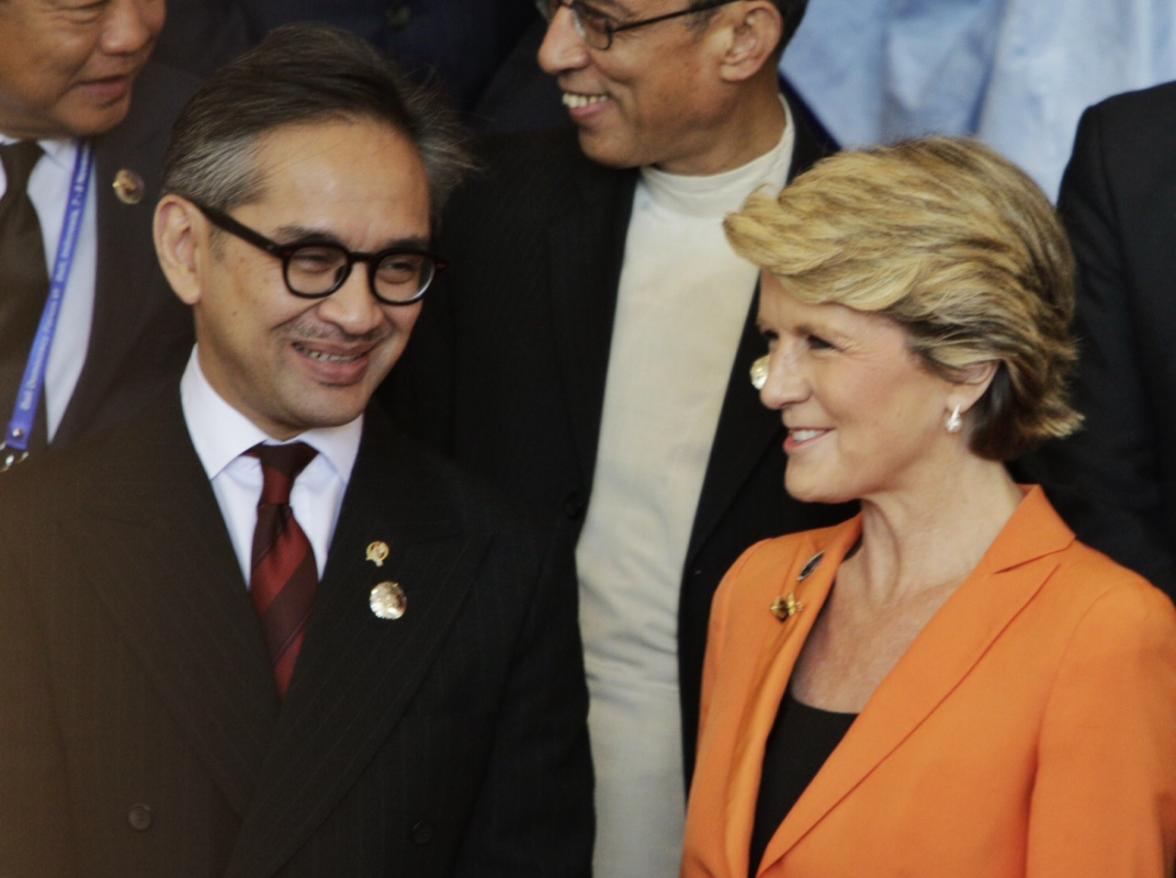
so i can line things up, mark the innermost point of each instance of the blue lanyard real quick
(16, 438)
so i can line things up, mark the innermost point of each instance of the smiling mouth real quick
(574, 101)
(328, 356)
(803, 435)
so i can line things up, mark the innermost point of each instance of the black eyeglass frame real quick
(284, 252)
(611, 30)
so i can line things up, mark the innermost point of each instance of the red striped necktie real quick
(283, 576)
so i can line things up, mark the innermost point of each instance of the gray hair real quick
(298, 74)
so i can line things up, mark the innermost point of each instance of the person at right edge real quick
(949, 683)
(1114, 481)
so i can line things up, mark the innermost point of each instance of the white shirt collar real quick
(59, 152)
(220, 434)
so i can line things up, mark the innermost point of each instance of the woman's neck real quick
(917, 540)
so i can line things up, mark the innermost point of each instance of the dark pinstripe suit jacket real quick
(139, 730)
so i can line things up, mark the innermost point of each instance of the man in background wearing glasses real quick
(589, 350)
(258, 632)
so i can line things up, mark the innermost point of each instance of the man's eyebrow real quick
(292, 234)
(296, 234)
(611, 8)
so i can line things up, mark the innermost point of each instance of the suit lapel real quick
(746, 429)
(1007, 578)
(586, 245)
(769, 678)
(167, 573)
(357, 673)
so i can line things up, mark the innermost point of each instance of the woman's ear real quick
(974, 381)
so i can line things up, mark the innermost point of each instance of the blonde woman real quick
(948, 684)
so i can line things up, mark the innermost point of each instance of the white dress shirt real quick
(49, 192)
(682, 302)
(221, 435)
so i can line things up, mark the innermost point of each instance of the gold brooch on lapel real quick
(786, 607)
(377, 552)
(128, 186)
(388, 601)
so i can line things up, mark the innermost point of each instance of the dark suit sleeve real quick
(1105, 479)
(35, 831)
(534, 816)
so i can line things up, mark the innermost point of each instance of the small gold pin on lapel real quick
(809, 566)
(377, 552)
(786, 607)
(128, 186)
(388, 601)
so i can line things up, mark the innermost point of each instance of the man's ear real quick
(181, 236)
(755, 32)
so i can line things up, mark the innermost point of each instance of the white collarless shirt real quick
(682, 302)
(49, 192)
(221, 435)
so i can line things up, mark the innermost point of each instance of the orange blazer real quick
(1030, 729)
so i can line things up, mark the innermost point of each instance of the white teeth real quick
(805, 435)
(328, 358)
(574, 101)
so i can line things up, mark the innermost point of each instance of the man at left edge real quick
(74, 77)
(434, 720)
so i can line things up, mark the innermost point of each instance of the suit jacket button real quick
(140, 817)
(398, 16)
(574, 505)
(421, 832)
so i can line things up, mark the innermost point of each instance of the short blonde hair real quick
(956, 245)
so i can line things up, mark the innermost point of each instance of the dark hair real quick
(302, 73)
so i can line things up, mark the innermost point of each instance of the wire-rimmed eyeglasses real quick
(315, 269)
(597, 28)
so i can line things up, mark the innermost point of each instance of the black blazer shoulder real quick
(1114, 480)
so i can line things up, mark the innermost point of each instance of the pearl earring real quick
(759, 373)
(954, 422)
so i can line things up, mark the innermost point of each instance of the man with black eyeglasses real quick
(589, 351)
(258, 632)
